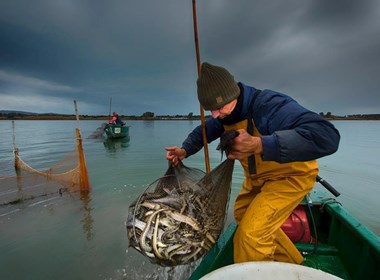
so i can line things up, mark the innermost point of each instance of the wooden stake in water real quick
(15, 149)
(84, 181)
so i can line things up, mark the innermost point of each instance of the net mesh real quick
(31, 183)
(178, 218)
(69, 174)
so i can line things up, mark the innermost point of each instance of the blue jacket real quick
(289, 131)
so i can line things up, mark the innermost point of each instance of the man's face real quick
(224, 111)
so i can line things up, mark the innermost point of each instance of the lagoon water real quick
(69, 237)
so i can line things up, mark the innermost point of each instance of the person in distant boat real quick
(277, 144)
(116, 119)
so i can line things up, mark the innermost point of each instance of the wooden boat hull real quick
(344, 246)
(117, 131)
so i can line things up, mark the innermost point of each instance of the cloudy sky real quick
(325, 53)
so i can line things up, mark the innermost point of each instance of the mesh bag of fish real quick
(178, 218)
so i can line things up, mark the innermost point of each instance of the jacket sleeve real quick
(194, 141)
(290, 132)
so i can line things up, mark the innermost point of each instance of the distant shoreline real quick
(126, 118)
(22, 115)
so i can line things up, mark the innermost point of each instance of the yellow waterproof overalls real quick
(265, 201)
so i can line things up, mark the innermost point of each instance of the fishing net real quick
(99, 132)
(31, 183)
(67, 175)
(178, 218)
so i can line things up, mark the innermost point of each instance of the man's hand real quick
(175, 154)
(245, 145)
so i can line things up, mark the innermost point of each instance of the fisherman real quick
(116, 119)
(278, 143)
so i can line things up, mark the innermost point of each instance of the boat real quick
(338, 244)
(114, 131)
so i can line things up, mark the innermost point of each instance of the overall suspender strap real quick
(251, 159)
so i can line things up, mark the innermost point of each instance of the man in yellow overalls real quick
(278, 144)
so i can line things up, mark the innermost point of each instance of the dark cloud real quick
(141, 53)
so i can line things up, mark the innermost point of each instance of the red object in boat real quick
(297, 227)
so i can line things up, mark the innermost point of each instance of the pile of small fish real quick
(172, 227)
(180, 216)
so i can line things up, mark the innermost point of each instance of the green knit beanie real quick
(216, 87)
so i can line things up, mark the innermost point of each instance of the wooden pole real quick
(110, 109)
(84, 181)
(15, 149)
(203, 122)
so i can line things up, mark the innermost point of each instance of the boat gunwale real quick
(218, 256)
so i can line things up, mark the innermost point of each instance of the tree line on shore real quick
(20, 115)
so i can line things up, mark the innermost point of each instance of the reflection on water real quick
(113, 145)
(87, 220)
